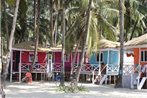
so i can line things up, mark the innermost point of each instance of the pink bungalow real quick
(22, 56)
(57, 63)
(56, 60)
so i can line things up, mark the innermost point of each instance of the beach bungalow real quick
(105, 61)
(107, 54)
(49, 61)
(138, 46)
(22, 58)
(57, 62)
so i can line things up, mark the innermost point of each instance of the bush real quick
(72, 89)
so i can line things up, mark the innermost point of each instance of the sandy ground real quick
(49, 90)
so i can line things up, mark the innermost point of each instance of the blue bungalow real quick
(107, 55)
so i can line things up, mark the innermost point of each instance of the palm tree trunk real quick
(1, 87)
(134, 29)
(56, 30)
(74, 59)
(72, 72)
(35, 18)
(63, 44)
(85, 40)
(6, 22)
(4, 75)
(51, 23)
(127, 18)
(121, 24)
(36, 29)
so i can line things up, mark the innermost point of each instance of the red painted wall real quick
(25, 57)
(57, 57)
(137, 56)
(41, 57)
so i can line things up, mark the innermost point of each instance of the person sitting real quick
(28, 77)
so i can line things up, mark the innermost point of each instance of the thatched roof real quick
(142, 40)
(30, 46)
(104, 43)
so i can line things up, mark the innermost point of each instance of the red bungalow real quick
(22, 56)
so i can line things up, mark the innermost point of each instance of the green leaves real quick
(11, 3)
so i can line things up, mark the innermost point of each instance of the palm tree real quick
(121, 24)
(6, 21)
(107, 15)
(85, 41)
(1, 87)
(51, 23)
(77, 32)
(134, 19)
(63, 43)
(4, 75)
(36, 27)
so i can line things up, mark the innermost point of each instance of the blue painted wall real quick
(93, 58)
(105, 55)
(113, 57)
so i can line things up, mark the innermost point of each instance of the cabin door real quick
(49, 64)
(16, 60)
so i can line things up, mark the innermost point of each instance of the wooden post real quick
(107, 66)
(11, 71)
(78, 54)
(139, 56)
(114, 79)
(138, 81)
(107, 61)
(110, 79)
(93, 80)
(99, 63)
(20, 68)
(108, 57)
(35, 76)
(41, 76)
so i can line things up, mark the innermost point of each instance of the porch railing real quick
(37, 68)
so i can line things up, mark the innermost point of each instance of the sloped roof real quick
(142, 40)
(30, 46)
(104, 43)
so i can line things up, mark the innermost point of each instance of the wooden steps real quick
(141, 83)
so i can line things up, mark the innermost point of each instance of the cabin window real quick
(31, 57)
(144, 56)
(100, 57)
